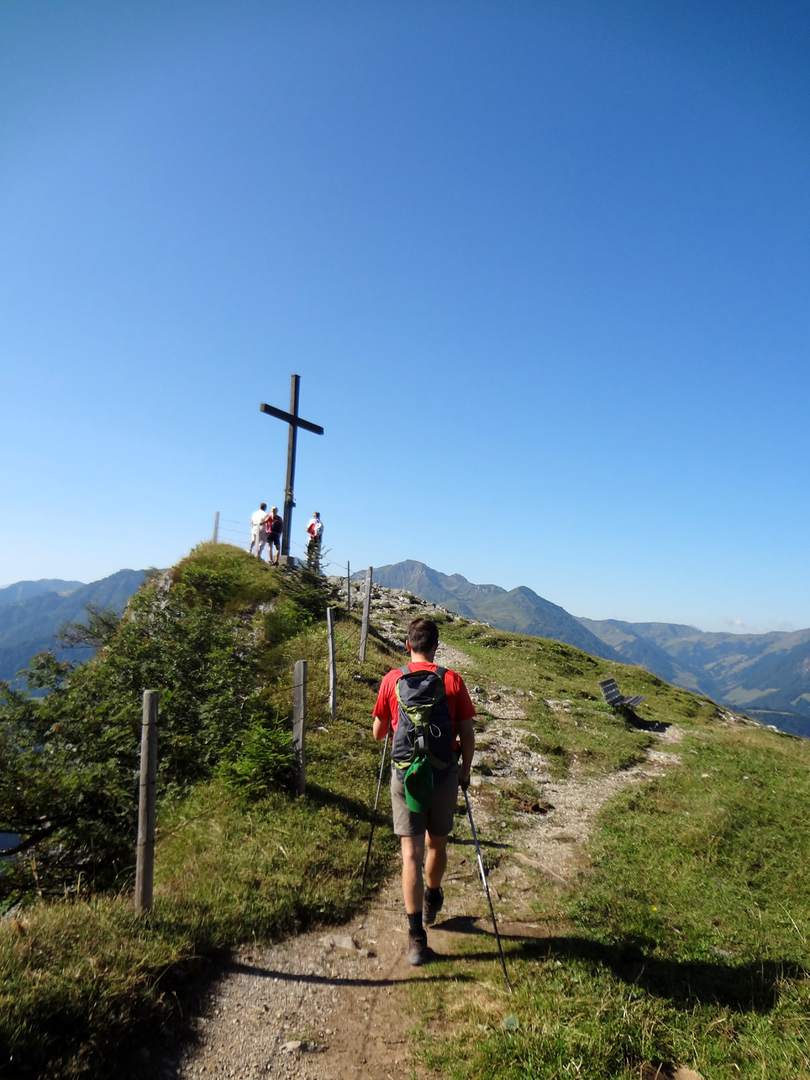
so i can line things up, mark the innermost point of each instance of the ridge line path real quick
(333, 1003)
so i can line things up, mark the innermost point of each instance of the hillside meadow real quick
(683, 939)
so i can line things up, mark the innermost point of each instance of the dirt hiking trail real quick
(334, 1003)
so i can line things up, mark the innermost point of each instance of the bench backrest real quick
(610, 691)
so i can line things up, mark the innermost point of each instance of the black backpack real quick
(424, 728)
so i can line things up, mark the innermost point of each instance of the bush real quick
(69, 762)
(285, 621)
(264, 761)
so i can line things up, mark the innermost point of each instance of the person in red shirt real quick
(423, 836)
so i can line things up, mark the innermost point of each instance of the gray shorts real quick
(438, 821)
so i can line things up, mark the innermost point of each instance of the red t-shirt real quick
(458, 700)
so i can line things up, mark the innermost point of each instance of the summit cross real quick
(295, 422)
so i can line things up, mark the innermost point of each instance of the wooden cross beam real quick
(295, 422)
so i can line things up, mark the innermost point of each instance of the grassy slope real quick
(686, 942)
(681, 944)
(78, 977)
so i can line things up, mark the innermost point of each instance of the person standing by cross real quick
(257, 519)
(274, 527)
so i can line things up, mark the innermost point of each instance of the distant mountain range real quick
(33, 612)
(24, 590)
(518, 609)
(766, 676)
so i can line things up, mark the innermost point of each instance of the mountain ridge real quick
(765, 675)
(19, 591)
(32, 625)
(519, 609)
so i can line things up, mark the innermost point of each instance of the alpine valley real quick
(32, 613)
(766, 676)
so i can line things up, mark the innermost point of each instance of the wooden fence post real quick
(145, 850)
(215, 537)
(330, 627)
(366, 612)
(348, 586)
(299, 721)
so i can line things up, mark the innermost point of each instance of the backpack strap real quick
(441, 672)
(405, 670)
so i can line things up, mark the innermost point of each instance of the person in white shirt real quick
(257, 519)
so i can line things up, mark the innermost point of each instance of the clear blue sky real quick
(543, 269)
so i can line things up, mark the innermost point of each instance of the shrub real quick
(69, 762)
(264, 760)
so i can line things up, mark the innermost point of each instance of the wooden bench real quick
(615, 698)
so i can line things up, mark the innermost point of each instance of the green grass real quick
(585, 732)
(80, 980)
(683, 944)
(77, 976)
(686, 942)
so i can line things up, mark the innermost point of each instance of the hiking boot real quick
(418, 951)
(433, 903)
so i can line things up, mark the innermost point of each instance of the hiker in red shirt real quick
(429, 712)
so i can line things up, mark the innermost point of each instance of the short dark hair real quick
(262, 506)
(423, 634)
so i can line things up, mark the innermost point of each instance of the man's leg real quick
(436, 861)
(435, 866)
(439, 827)
(410, 828)
(413, 855)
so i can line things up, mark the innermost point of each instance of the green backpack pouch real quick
(417, 782)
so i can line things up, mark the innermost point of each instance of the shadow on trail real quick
(752, 987)
(162, 1047)
(338, 980)
(634, 720)
(456, 842)
(324, 797)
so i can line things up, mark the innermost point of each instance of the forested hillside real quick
(32, 613)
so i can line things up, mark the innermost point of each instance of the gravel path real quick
(318, 1005)
(333, 1004)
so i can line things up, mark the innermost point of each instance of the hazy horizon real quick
(732, 628)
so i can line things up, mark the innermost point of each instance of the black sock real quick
(415, 927)
(433, 894)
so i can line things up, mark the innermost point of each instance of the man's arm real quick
(381, 711)
(466, 735)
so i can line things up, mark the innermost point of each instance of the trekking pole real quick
(483, 874)
(374, 813)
